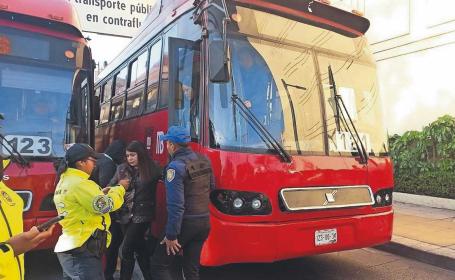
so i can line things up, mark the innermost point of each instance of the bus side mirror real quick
(96, 108)
(219, 66)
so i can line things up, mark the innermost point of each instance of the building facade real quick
(413, 42)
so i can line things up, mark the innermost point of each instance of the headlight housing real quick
(240, 203)
(383, 198)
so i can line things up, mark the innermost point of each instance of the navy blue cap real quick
(177, 134)
(80, 151)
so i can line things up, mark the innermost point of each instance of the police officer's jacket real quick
(11, 206)
(189, 179)
(85, 207)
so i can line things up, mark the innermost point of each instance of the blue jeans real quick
(81, 266)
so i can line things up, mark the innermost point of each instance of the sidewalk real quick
(423, 233)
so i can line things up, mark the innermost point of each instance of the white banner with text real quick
(112, 17)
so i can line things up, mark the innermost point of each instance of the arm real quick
(24, 242)
(106, 173)
(115, 178)
(92, 198)
(175, 199)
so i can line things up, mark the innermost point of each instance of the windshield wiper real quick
(291, 104)
(260, 129)
(17, 157)
(340, 110)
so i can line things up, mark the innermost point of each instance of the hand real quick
(26, 241)
(247, 103)
(106, 190)
(172, 246)
(125, 183)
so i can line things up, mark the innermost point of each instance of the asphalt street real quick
(356, 264)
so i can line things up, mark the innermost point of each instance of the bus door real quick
(184, 85)
(86, 110)
(78, 121)
(183, 104)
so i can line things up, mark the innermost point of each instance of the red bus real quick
(282, 96)
(46, 77)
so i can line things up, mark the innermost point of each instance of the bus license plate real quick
(324, 237)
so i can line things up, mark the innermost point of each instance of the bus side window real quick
(118, 104)
(154, 77)
(120, 81)
(105, 103)
(107, 90)
(117, 109)
(104, 115)
(164, 88)
(138, 70)
(98, 91)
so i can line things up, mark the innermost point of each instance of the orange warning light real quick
(69, 54)
(5, 45)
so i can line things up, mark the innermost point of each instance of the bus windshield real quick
(36, 85)
(280, 72)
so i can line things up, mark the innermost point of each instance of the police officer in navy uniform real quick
(189, 180)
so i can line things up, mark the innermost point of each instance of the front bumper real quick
(269, 242)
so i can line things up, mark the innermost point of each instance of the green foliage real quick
(424, 161)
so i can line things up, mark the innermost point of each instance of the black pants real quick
(134, 243)
(193, 234)
(112, 250)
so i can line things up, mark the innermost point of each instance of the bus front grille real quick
(315, 198)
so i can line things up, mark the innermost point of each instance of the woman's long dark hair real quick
(61, 166)
(145, 164)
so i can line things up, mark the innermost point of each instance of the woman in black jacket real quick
(138, 209)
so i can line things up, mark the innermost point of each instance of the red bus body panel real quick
(283, 234)
(231, 242)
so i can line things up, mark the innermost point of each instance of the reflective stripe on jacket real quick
(85, 207)
(11, 205)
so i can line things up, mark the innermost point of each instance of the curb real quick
(419, 255)
(423, 200)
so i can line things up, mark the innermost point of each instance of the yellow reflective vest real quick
(85, 207)
(11, 206)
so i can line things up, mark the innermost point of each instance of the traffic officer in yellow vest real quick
(189, 180)
(13, 242)
(86, 208)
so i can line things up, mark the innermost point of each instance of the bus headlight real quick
(238, 203)
(256, 204)
(387, 198)
(378, 199)
(383, 198)
(241, 203)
